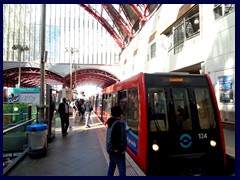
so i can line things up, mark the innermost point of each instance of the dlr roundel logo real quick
(185, 140)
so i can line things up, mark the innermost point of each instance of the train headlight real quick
(213, 143)
(155, 147)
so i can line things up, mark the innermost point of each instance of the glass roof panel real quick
(121, 20)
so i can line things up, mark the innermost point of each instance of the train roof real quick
(138, 78)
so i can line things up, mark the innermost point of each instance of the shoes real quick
(64, 134)
(88, 126)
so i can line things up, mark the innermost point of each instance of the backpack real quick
(109, 145)
(83, 109)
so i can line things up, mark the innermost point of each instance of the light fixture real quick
(20, 48)
(71, 51)
(196, 20)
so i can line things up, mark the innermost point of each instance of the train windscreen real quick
(179, 105)
(206, 115)
(157, 110)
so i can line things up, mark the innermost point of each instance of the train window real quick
(106, 106)
(132, 115)
(157, 110)
(108, 103)
(114, 99)
(123, 102)
(182, 108)
(205, 109)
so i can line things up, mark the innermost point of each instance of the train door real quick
(99, 106)
(128, 101)
(106, 107)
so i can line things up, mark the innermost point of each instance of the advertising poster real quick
(226, 89)
(24, 95)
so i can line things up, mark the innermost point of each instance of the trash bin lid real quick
(36, 127)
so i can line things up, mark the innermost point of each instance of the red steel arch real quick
(31, 77)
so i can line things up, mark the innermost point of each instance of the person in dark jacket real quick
(88, 109)
(116, 142)
(63, 110)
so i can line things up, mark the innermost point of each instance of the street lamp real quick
(20, 48)
(72, 51)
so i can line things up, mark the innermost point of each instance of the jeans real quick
(87, 118)
(120, 161)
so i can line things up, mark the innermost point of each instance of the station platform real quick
(83, 153)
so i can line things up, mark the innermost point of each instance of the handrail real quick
(18, 125)
(13, 163)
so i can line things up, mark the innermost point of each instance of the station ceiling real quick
(122, 22)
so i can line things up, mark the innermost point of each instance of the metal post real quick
(75, 77)
(43, 54)
(19, 70)
(20, 49)
(71, 71)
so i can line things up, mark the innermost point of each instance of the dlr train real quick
(174, 120)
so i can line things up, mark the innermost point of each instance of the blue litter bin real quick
(37, 140)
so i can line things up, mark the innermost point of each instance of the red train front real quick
(175, 123)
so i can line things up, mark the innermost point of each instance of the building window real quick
(178, 37)
(192, 25)
(187, 28)
(153, 50)
(184, 28)
(221, 10)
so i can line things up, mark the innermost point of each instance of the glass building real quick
(68, 26)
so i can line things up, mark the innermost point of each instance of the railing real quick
(7, 141)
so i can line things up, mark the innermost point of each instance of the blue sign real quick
(21, 90)
(132, 141)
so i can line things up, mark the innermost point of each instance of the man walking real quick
(63, 110)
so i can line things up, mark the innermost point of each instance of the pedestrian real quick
(81, 109)
(116, 142)
(88, 109)
(63, 110)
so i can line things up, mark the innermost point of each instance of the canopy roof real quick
(122, 21)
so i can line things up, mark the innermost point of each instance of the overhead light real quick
(196, 21)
